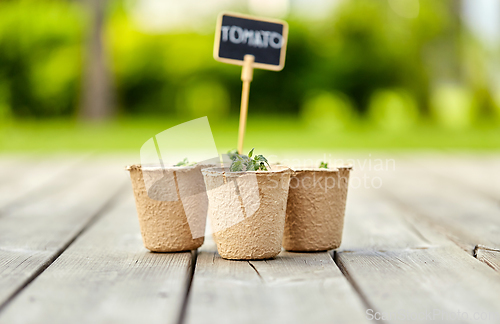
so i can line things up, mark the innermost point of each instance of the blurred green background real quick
(360, 74)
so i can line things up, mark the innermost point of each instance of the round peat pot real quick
(172, 205)
(315, 209)
(247, 211)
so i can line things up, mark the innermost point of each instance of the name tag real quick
(237, 35)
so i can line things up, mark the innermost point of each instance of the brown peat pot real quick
(172, 213)
(315, 209)
(247, 211)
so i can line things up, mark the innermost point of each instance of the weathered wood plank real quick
(423, 281)
(489, 256)
(36, 231)
(479, 172)
(293, 288)
(416, 271)
(106, 276)
(8, 160)
(26, 176)
(464, 215)
(373, 223)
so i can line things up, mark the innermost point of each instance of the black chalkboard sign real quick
(237, 35)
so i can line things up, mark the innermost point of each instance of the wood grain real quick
(464, 215)
(372, 223)
(26, 176)
(34, 232)
(489, 256)
(413, 269)
(479, 172)
(106, 276)
(293, 288)
(398, 255)
(423, 281)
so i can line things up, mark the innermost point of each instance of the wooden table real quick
(424, 247)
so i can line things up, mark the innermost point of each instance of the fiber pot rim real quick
(329, 170)
(332, 169)
(348, 167)
(219, 170)
(169, 168)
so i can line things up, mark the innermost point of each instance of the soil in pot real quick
(315, 209)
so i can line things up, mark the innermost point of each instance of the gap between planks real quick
(355, 286)
(456, 208)
(108, 205)
(107, 276)
(291, 288)
(469, 182)
(31, 234)
(189, 282)
(489, 256)
(397, 268)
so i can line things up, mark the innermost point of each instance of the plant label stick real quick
(253, 43)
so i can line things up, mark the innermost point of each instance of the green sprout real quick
(185, 162)
(243, 162)
(323, 165)
(233, 154)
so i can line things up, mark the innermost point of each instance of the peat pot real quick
(247, 211)
(171, 206)
(315, 209)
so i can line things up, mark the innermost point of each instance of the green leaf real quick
(233, 154)
(323, 165)
(236, 166)
(185, 162)
(251, 166)
(262, 160)
(182, 163)
(243, 162)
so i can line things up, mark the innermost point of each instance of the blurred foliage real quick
(393, 110)
(366, 46)
(454, 106)
(362, 65)
(328, 111)
(346, 60)
(496, 105)
(41, 46)
(272, 134)
(203, 98)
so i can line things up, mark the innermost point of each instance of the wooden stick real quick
(246, 77)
